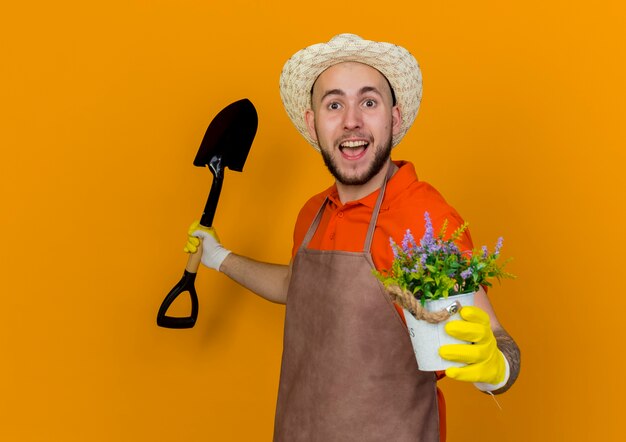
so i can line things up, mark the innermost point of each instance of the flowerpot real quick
(427, 338)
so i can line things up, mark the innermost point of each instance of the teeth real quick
(353, 143)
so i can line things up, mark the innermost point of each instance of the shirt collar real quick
(402, 179)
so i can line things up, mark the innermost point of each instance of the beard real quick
(381, 156)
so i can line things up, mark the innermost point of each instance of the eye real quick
(369, 103)
(334, 105)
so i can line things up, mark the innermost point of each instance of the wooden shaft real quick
(194, 259)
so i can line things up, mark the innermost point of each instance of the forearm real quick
(511, 352)
(270, 281)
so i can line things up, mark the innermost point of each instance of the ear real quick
(396, 120)
(309, 118)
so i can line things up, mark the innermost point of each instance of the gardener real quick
(348, 369)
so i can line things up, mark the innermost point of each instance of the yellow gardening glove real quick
(213, 253)
(193, 242)
(485, 362)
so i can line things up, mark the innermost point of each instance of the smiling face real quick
(353, 120)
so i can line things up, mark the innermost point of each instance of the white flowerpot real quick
(427, 338)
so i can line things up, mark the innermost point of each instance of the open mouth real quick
(353, 149)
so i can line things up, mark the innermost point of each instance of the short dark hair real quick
(393, 94)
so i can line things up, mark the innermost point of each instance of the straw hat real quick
(394, 62)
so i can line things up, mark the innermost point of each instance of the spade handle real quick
(193, 263)
(186, 284)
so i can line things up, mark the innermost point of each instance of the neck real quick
(349, 193)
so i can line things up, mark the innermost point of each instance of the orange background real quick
(103, 108)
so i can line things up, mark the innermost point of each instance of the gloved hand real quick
(486, 363)
(213, 254)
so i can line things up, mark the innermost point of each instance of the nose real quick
(352, 118)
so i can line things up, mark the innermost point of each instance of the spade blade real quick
(229, 136)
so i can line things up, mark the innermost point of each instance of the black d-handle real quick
(186, 284)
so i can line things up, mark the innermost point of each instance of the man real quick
(348, 369)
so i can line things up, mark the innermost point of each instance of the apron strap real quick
(372, 226)
(313, 228)
(379, 201)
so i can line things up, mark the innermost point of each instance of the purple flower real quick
(465, 274)
(451, 248)
(429, 235)
(394, 247)
(498, 246)
(485, 252)
(408, 242)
